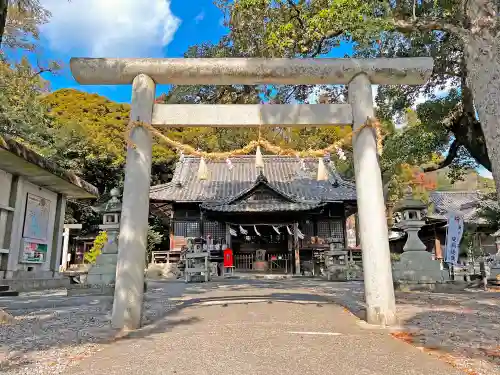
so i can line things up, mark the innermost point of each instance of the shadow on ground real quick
(463, 325)
(39, 333)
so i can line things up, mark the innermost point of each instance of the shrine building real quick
(287, 208)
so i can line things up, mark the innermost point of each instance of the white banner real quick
(453, 237)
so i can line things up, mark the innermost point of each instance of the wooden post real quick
(296, 247)
(228, 236)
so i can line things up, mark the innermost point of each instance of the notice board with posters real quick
(36, 229)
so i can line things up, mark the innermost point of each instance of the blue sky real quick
(129, 28)
(123, 28)
(126, 28)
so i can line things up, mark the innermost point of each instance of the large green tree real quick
(458, 34)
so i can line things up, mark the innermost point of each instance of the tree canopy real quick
(291, 28)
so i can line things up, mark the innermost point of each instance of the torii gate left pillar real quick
(358, 74)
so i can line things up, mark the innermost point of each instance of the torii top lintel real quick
(251, 71)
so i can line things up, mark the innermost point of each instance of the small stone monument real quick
(102, 275)
(104, 270)
(416, 268)
(495, 264)
(338, 265)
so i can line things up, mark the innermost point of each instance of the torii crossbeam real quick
(358, 74)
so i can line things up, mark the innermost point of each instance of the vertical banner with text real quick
(453, 237)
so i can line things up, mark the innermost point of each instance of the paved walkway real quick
(231, 330)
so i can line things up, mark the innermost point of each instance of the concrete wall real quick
(5, 212)
(14, 271)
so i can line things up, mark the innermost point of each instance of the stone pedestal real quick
(101, 276)
(417, 270)
(104, 270)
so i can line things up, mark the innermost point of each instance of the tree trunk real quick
(483, 68)
(3, 18)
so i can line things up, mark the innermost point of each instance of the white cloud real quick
(199, 17)
(484, 172)
(110, 28)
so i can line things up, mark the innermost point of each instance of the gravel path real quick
(462, 329)
(49, 339)
(51, 332)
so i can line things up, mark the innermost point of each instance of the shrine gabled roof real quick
(282, 173)
(465, 202)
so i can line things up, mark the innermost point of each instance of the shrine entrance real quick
(263, 248)
(358, 74)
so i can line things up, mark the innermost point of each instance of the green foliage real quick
(154, 238)
(95, 251)
(23, 21)
(489, 210)
(291, 28)
(22, 115)
(395, 257)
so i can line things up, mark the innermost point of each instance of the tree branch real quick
(452, 154)
(468, 132)
(428, 25)
(297, 13)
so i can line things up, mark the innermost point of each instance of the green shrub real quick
(95, 251)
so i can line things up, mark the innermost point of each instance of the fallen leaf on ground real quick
(404, 336)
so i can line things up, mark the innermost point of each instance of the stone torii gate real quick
(358, 74)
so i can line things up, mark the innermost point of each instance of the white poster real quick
(453, 237)
(36, 218)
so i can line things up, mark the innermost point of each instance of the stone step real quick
(4, 288)
(9, 293)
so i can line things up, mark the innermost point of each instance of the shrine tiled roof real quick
(465, 202)
(282, 173)
(18, 159)
(241, 207)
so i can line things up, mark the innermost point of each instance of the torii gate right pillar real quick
(379, 289)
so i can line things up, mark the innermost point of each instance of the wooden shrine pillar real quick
(296, 247)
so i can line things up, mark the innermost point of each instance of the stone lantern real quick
(104, 270)
(416, 269)
(412, 220)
